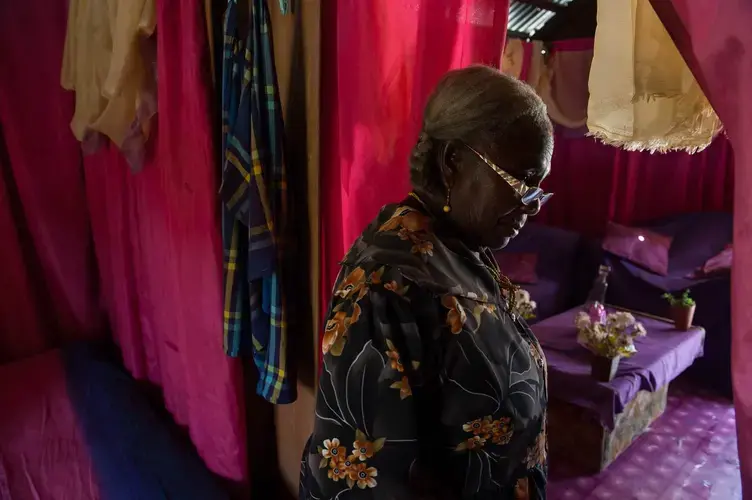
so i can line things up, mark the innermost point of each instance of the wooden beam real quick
(544, 4)
(577, 21)
(518, 34)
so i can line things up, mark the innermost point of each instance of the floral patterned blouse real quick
(430, 388)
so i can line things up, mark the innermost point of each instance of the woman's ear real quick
(448, 163)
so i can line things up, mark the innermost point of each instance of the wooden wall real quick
(297, 49)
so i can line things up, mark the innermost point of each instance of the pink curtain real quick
(156, 236)
(48, 275)
(384, 57)
(716, 41)
(596, 183)
(153, 235)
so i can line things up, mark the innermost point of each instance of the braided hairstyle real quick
(482, 107)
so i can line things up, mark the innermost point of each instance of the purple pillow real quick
(518, 267)
(639, 246)
(719, 263)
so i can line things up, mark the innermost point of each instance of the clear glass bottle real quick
(595, 305)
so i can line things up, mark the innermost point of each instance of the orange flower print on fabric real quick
(394, 357)
(480, 426)
(376, 276)
(498, 432)
(362, 476)
(490, 309)
(335, 332)
(404, 387)
(395, 360)
(537, 454)
(473, 443)
(353, 286)
(337, 470)
(522, 489)
(333, 449)
(423, 248)
(363, 449)
(501, 431)
(407, 219)
(411, 226)
(456, 316)
(395, 287)
(353, 468)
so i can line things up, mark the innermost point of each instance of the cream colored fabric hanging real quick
(104, 63)
(642, 94)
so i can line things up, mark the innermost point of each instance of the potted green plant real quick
(682, 309)
(608, 341)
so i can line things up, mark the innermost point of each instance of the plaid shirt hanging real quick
(253, 192)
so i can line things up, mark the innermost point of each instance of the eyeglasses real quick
(527, 194)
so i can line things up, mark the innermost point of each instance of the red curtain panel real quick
(48, 275)
(595, 183)
(156, 236)
(81, 237)
(382, 59)
(716, 41)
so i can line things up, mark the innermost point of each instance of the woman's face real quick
(483, 204)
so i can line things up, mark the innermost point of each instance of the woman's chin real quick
(499, 243)
(501, 238)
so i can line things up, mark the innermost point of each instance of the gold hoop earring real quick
(448, 208)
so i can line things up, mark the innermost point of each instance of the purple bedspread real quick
(662, 355)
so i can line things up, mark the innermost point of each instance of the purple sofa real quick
(696, 238)
(563, 268)
(568, 262)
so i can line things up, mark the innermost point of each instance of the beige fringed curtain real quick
(642, 94)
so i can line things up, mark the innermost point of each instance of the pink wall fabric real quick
(71, 225)
(48, 275)
(157, 240)
(639, 246)
(43, 450)
(715, 39)
(383, 57)
(596, 183)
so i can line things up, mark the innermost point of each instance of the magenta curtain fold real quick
(83, 240)
(157, 241)
(716, 41)
(382, 58)
(596, 183)
(48, 274)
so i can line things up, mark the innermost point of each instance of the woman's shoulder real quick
(402, 239)
(398, 232)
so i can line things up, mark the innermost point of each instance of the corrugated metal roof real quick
(526, 19)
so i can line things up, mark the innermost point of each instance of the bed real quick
(74, 425)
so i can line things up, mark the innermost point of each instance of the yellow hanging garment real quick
(643, 95)
(104, 63)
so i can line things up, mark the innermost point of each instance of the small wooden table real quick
(594, 422)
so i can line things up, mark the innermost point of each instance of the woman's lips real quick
(515, 224)
(511, 228)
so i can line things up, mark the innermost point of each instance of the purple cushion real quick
(556, 251)
(719, 263)
(696, 237)
(639, 246)
(518, 267)
(550, 296)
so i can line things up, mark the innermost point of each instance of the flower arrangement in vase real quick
(609, 341)
(682, 309)
(525, 307)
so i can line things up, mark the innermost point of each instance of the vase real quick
(683, 317)
(604, 369)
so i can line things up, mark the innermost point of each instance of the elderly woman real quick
(433, 386)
